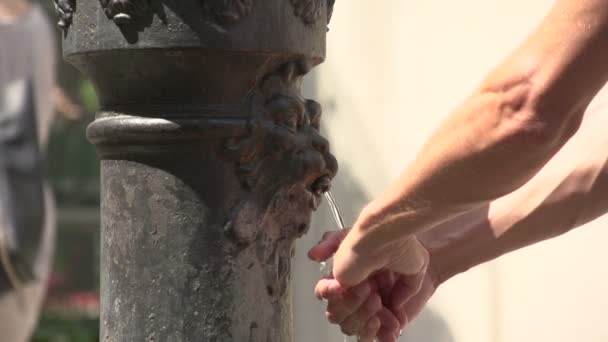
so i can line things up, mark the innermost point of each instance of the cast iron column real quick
(212, 161)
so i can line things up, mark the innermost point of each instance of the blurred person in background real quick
(28, 99)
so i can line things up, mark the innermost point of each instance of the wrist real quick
(458, 245)
(393, 217)
(441, 268)
(374, 229)
(369, 215)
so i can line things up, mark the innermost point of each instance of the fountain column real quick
(211, 160)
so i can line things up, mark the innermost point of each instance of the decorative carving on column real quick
(223, 11)
(211, 162)
(285, 166)
(227, 11)
(123, 11)
(280, 119)
(65, 10)
(311, 10)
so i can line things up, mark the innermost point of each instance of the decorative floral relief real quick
(64, 10)
(311, 10)
(123, 11)
(227, 11)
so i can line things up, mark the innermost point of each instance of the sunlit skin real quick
(568, 192)
(520, 116)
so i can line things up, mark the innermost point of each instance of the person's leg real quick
(20, 310)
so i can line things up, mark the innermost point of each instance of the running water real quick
(335, 210)
(327, 266)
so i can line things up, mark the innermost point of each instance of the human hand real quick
(374, 308)
(413, 306)
(364, 252)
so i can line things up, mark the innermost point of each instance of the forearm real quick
(568, 192)
(524, 111)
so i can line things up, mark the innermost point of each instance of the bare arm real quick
(519, 117)
(524, 111)
(568, 192)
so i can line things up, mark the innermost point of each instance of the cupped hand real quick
(376, 307)
(364, 252)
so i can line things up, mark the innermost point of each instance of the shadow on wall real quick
(309, 319)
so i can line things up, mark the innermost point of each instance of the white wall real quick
(394, 69)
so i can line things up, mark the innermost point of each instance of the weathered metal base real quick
(212, 161)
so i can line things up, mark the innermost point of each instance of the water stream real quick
(327, 266)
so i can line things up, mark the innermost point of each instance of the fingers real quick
(354, 265)
(327, 246)
(340, 308)
(328, 289)
(356, 323)
(388, 321)
(381, 305)
(350, 268)
(354, 309)
(368, 334)
(401, 315)
(389, 326)
(405, 288)
(372, 321)
(385, 281)
(416, 304)
(413, 258)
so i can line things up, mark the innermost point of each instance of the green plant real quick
(66, 327)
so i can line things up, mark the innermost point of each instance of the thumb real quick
(354, 265)
(328, 245)
(352, 268)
